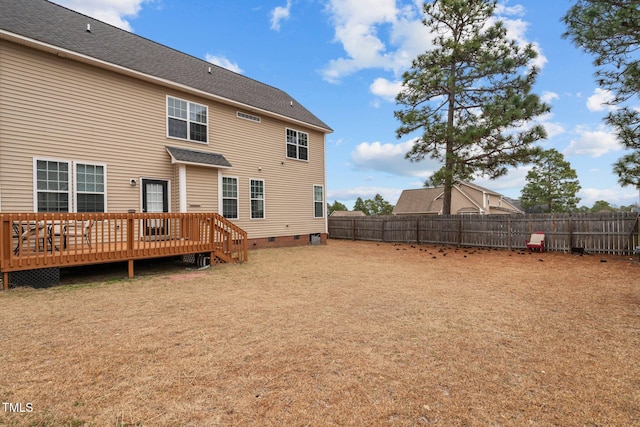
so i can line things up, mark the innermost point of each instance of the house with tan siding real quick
(466, 198)
(96, 119)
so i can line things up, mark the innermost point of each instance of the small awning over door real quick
(198, 158)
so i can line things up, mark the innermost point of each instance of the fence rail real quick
(611, 232)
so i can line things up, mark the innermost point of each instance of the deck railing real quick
(42, 240)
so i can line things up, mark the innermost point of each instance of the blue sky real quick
(343, 60)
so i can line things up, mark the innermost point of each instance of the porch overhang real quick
(197, 158)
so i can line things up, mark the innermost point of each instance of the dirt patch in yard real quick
(351, 333)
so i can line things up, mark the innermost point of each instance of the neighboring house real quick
(348, 213)
(466, 198)
(95, 119)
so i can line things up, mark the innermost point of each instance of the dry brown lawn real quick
(350, 333)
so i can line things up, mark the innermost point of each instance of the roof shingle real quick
(58, 26)
(183, 155)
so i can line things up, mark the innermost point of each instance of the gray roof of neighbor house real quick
(419, 201)
(429, 200)
(57, 26)
(348, 213)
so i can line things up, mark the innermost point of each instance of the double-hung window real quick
(53, 187)
(69, 186)
(297, 145)
(230, 197)
(89, 188)
(186, 120)
(318, 201)
(257, 198)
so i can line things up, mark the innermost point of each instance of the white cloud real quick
(548, 96)
(363, 33)
(593, 143)
(384, 36)
(386, 89)
(510, 184)
(516, 10)
(280, 14)
(224, 63)
(389, 158)
(598, 101)
(552, 128)
(616, 196)
(109, 11)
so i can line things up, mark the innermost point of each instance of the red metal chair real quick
(536, 241)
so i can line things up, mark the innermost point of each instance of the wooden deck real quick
(31, 241)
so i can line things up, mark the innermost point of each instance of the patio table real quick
(23, 230)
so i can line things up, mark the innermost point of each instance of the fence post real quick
(384, 223)
(570, 226)
(509, 233)
(459, 231)
(418, 231)
(353, 229)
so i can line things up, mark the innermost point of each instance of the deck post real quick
(5, 250)
(130, 236)
(130, 268)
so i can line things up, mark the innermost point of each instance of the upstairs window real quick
(297, 145)
(186, 120)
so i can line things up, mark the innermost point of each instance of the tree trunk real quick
(449, 160)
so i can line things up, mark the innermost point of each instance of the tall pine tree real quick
(610, 30)
(552, 184)
(470, 95)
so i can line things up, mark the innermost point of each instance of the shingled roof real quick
(183, 155)
(57, 26)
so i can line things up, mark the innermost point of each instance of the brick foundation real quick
(285, 241)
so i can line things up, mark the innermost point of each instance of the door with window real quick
(155, 199)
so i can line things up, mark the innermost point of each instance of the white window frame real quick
(297, 144)
(187, 120)
(36, 191)
(318, 201)
(237, 198)
(75, 183)
(72, 191)
(251, 199)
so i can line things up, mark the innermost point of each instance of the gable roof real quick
(348, 213)
(419, 201)
(430, 200)
(45, 25)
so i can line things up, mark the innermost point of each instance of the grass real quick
(350, 333)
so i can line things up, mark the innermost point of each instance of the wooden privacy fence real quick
(31, 241)
(611, 232)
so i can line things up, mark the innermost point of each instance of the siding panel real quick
(56, 108)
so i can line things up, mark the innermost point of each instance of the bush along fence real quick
(608, 232)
